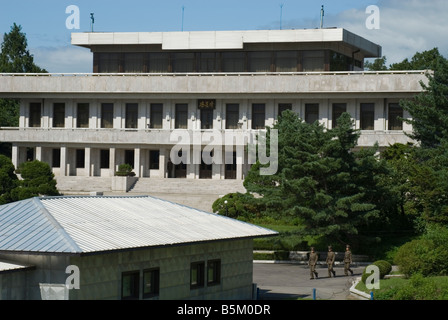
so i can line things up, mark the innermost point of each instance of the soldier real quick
(330, 262)
(312, 263)
(347, 260)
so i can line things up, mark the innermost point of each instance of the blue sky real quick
(406, 26)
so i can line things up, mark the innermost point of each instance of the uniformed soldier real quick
(347, 260)
(312, 263)
(330, 262)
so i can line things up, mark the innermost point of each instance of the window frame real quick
(135, 294)
(197, 275)
(367, 117)
(215, 278)
(155, 283)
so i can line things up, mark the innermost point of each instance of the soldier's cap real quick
(347, 246)
(330, 248)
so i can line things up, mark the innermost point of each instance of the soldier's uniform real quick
(330, 262)
(312, 263)
(347, 260)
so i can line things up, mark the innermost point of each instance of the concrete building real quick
(92, 248)
(148, 89)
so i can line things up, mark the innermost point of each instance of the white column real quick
(63, 170)
(87, 167)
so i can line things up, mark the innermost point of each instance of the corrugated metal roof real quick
(88, 224)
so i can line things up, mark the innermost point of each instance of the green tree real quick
(425, 60)
(14, 58)
(38, 180)
(377, 65)
(8, 180)
(333, 191)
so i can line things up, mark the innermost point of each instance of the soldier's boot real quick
(329, 274)
(334, 273)
(316, 274)
(351, 271)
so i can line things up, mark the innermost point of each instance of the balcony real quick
(220, 85)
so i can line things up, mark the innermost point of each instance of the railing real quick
(217, 74)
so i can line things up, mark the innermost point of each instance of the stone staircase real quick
(196, 193)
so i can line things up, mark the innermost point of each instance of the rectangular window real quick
(208, 62)
(151, 283)
(59, 115)
(181, 120)
(131, 115)
(129, 157)
(283, 107)
(133, 62)
(286, 61)
(183, 62)
(258, 116)
(206, 118)
(56, 159)
(197, 275)
(338, 110)
(395, 115)
(156, 116)
(80, 158)
(159, 62)
(107, 115)
(231, 167)
(260, 61)
(130, 285)
(213, 272)
(311, 112)
(233, 62)
(108, 62)
(82, 116)
(232, 115)
(367, 116)
(154, 159)
(104, 159)
(35, 115)
(313, 60)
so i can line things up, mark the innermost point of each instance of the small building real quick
(117, 247)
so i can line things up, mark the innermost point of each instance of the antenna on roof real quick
(322, 16)
(183, 10)
(92, 21)
(281, 14)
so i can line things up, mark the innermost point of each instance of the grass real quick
(415, 288)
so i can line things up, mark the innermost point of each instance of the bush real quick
(384, 267)
(125, 170)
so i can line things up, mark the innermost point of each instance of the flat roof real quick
(90, 224)
(226, 40)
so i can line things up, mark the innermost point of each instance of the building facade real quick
(148, 90)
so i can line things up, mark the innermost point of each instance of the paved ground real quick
(291, 281)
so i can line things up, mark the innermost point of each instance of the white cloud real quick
(66, 59)
(406, 27)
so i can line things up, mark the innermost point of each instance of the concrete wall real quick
(101, 274)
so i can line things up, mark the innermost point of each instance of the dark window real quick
(80, 158)
(197, 275)
(56, 158)
(156, 116)
(208, 62)
(181, 120)
(206, 118)
(151, 283)
(133, 62)
(129, 157)
(108, 62)
(213, 272)
(395, 115)
(154, 159)
(367, 116)
(258, 116)
(159, 62)
(283, 107)
(286, 61)
(205, 170)
(313, 60)
(183, 62)
(82, 117)
(232, 116)
(104, 159)
(59, 115)
(231, 167)
(233, 62)
(107, 115)
(338, 110)
(35, 115)
(130, 285)
(260, 61)
(131, 115)
(311, 112)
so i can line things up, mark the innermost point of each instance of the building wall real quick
(101, 274)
